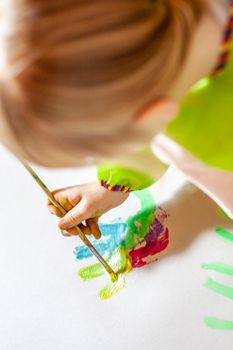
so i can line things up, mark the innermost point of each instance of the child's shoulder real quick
(204, 125)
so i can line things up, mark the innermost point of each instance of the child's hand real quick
(85, 203)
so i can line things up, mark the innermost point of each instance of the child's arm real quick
(115, 182)
(83, 202)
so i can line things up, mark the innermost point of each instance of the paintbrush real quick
(79, 232)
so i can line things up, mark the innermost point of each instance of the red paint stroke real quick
(154, 242)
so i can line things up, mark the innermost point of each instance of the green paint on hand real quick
(219, 288)
(216, 323)
(219, 267)
(224, 234)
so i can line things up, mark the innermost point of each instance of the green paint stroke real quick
(219, 288)
(113, 287)
(121, 265)
(224, 234)
(138, 225)
(216, 323)
(137, 228)
(219, 267)
(118, 262)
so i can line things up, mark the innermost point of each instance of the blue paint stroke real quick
(120, 233)
(113, 235)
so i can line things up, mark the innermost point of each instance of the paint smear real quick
(120, 264)
(138, 224)
(126, 245)
(113, 287)
(113, 235)
(219, 267)
(216, 323)
(225, 234)
(219, 288)
(153, 244)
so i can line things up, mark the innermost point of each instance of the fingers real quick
(83, 228)
(69, 196)
(94, 227)
(54, 210)
(91, 228)
(77, 210)
(63, 196)
(75, 217)
(64, 201)
(66, 233)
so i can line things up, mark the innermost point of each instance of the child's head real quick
(78, 73)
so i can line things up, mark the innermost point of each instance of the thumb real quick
(74, 217)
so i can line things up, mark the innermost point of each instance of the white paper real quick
(44, 305)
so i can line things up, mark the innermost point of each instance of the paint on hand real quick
(126, 245)
(216, 323)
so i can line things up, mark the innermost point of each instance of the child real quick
(93, 81)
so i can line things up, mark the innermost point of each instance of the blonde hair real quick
(77, 71)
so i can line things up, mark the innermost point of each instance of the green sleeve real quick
(135, 173)
(204, 124)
